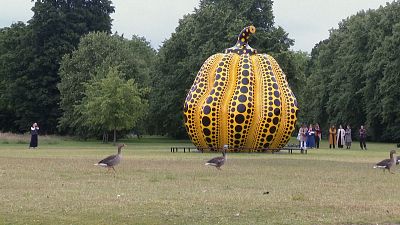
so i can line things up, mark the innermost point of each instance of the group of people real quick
(310, 137)
(342, 137)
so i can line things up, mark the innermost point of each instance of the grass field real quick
(58, 184)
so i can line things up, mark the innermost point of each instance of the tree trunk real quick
(105, 137)
(115, 136)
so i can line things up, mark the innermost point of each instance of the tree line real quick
(65, 69)
(353, 76)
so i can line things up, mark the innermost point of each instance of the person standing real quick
(332, 136)
(34, 136)
(347, 137)
(303, 136)
(340, 137)
(310, 137)
(317, 135)
(363, 135)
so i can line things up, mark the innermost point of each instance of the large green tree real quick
(54, 30)
(354, 74)
(112, 103)
(213, 27)
(96, 53)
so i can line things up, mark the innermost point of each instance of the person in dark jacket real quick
(34, 136)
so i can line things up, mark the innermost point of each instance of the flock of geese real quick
(217, 162)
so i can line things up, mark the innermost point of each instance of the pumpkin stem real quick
(242, 46)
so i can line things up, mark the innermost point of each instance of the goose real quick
(218, 161)
(111, 160)
(388, 163)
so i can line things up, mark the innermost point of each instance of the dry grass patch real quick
(12, 138)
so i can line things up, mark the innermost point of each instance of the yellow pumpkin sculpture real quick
(242, 99)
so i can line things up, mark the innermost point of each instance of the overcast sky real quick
(306, 21)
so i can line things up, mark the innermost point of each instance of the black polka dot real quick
(206, 121)
(277, 102)
(238, 128)
(245, 73)
(207, 110)
(245, 81)
(277, 112)
(206, 132)
(276, 93)
(270, 137)
(209, 100)
(275, 121)
(242, 98)
(244, 89)
(238, 136)
(239, 119)
(272, 130)
(241, 108)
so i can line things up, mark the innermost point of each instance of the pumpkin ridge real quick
(266, 130)
(286, 99)
(224, 125)
(191, 104)
(257, 109)
(241, 112)
(209, 117)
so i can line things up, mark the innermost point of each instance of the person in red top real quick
(363, 135)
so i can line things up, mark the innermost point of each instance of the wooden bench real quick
(175, 149)
(290, 148)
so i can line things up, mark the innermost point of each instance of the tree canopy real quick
(32, 55)
(96, 54)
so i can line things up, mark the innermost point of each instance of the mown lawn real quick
(58, 184)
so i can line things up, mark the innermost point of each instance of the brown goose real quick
(388, 163)
(218, 161)
(112, 160)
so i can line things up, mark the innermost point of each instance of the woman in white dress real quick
(340, 137)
